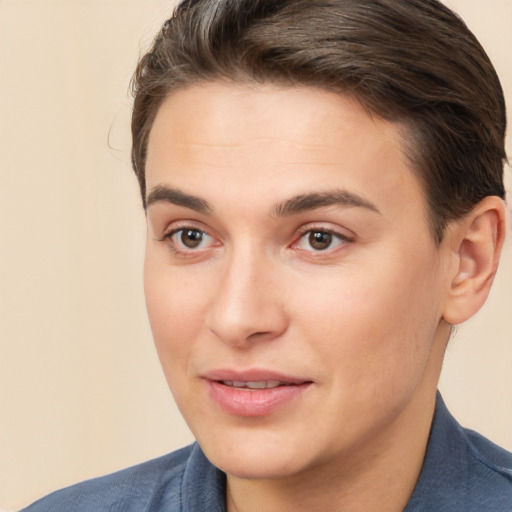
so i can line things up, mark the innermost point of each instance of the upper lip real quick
(252, 375)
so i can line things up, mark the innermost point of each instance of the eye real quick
(318, 240)
(189, 239)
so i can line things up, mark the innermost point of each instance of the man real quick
(323, 184)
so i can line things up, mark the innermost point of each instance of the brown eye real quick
(191, 238)
(189, 241)
(320, 240)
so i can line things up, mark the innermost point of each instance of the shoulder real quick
(132, 489)
(491, 459)
(485, 475)
(462, 471)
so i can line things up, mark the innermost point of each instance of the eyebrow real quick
(306, 202)
(179, 198)
(297, 204)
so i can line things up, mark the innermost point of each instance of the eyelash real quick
(179, 250)
(335, 236)
(183, 251)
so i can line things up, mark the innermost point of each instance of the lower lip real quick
(254, 402)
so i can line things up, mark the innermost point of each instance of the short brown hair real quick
(410, 61)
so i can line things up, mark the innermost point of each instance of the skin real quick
(364, 318)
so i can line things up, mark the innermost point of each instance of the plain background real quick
(81, 391)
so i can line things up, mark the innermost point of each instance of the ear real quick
(476, 241)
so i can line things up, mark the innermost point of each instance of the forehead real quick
(234, 116)
(267, 142)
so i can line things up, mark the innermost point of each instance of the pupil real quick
(191, 238)
(320, 240)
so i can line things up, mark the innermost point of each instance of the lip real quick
(253, 402)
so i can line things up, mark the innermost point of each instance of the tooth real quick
(256, 385)
(263, 384)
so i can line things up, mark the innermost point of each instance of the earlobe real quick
(478, 240)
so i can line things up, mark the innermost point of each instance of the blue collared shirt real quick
(462, 472)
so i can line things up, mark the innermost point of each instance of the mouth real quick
(254, 393)
(251, 386)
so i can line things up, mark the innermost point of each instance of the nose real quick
(248, 306)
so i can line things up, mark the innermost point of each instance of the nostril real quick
(258, 334)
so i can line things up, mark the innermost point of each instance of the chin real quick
(255, 469)
(254, 458)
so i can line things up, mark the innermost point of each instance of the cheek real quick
(176, 309)
(377, 323)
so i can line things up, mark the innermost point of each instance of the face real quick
(293, 287)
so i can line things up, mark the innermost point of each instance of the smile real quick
(264, 384)
(254, 393)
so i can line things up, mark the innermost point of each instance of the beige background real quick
(81, 392)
